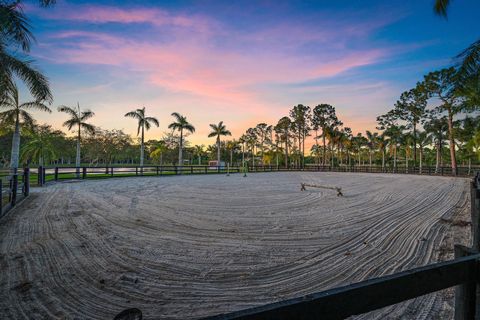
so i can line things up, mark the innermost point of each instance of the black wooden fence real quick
(67, 173)
(45, 174)
(14, 186)
(425, 170)
(365, 296)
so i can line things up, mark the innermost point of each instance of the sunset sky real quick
(242, 62)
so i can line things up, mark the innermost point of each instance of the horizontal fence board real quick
(369, 295)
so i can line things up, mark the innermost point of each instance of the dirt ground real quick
(186, 247)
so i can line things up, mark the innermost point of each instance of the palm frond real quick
(147, 125)
(68, 110)
(88, 127)
(189, 128)
(35, 105)
(177, 116)
(212, 134)
(440, 7)
(173, 126)
(152, 120)
(87, 114)
(27, 118)
(70, 123)
(133, 114)
(469, 59)
(37, 83)
(14, 25)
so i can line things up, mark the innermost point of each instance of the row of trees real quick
(441, 108)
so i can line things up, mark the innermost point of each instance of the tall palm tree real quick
(180, 124)
(16, 34)
(144, 122)
(218, 130)
(16, 111)
(77, 120)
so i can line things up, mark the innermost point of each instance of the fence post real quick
(1, 197)
(56, 173)
(156, 169)
(136, 171)
(465, 294)
(191, 169)
(84, 173)
(111, 171)
(206, 169)
(14, 186)
(26, 182)
(475, 213)
(176, 169)
(39, 176)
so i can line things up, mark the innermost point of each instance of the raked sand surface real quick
(184, 247)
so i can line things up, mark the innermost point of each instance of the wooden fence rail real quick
(425, 170)
(14, 186)
(369, 295)
(365, 296)
(45, 174)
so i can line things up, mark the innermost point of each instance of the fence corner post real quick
(466, 293)
(56, 173)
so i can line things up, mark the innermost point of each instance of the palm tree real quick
(424, 139)
(382, 142)
(181, 124)
(15, 111)
(40, 147)
(232, 145)
(16, 34)
(198, 151)
(157, 153)
(77, 119)
(144, 122)
(218, 130)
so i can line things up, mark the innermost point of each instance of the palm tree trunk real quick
(218, 150)
(142, 146)
(231, 157)
(180, 149)
(370, 156)
(15, 145)
(77, 158)
(286, 150)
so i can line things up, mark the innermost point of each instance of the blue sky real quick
(242, 62)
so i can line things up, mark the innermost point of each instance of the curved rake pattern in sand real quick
(191, 246)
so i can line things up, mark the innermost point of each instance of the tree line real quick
(433, 123)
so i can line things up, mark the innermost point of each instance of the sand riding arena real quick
(186, 247)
